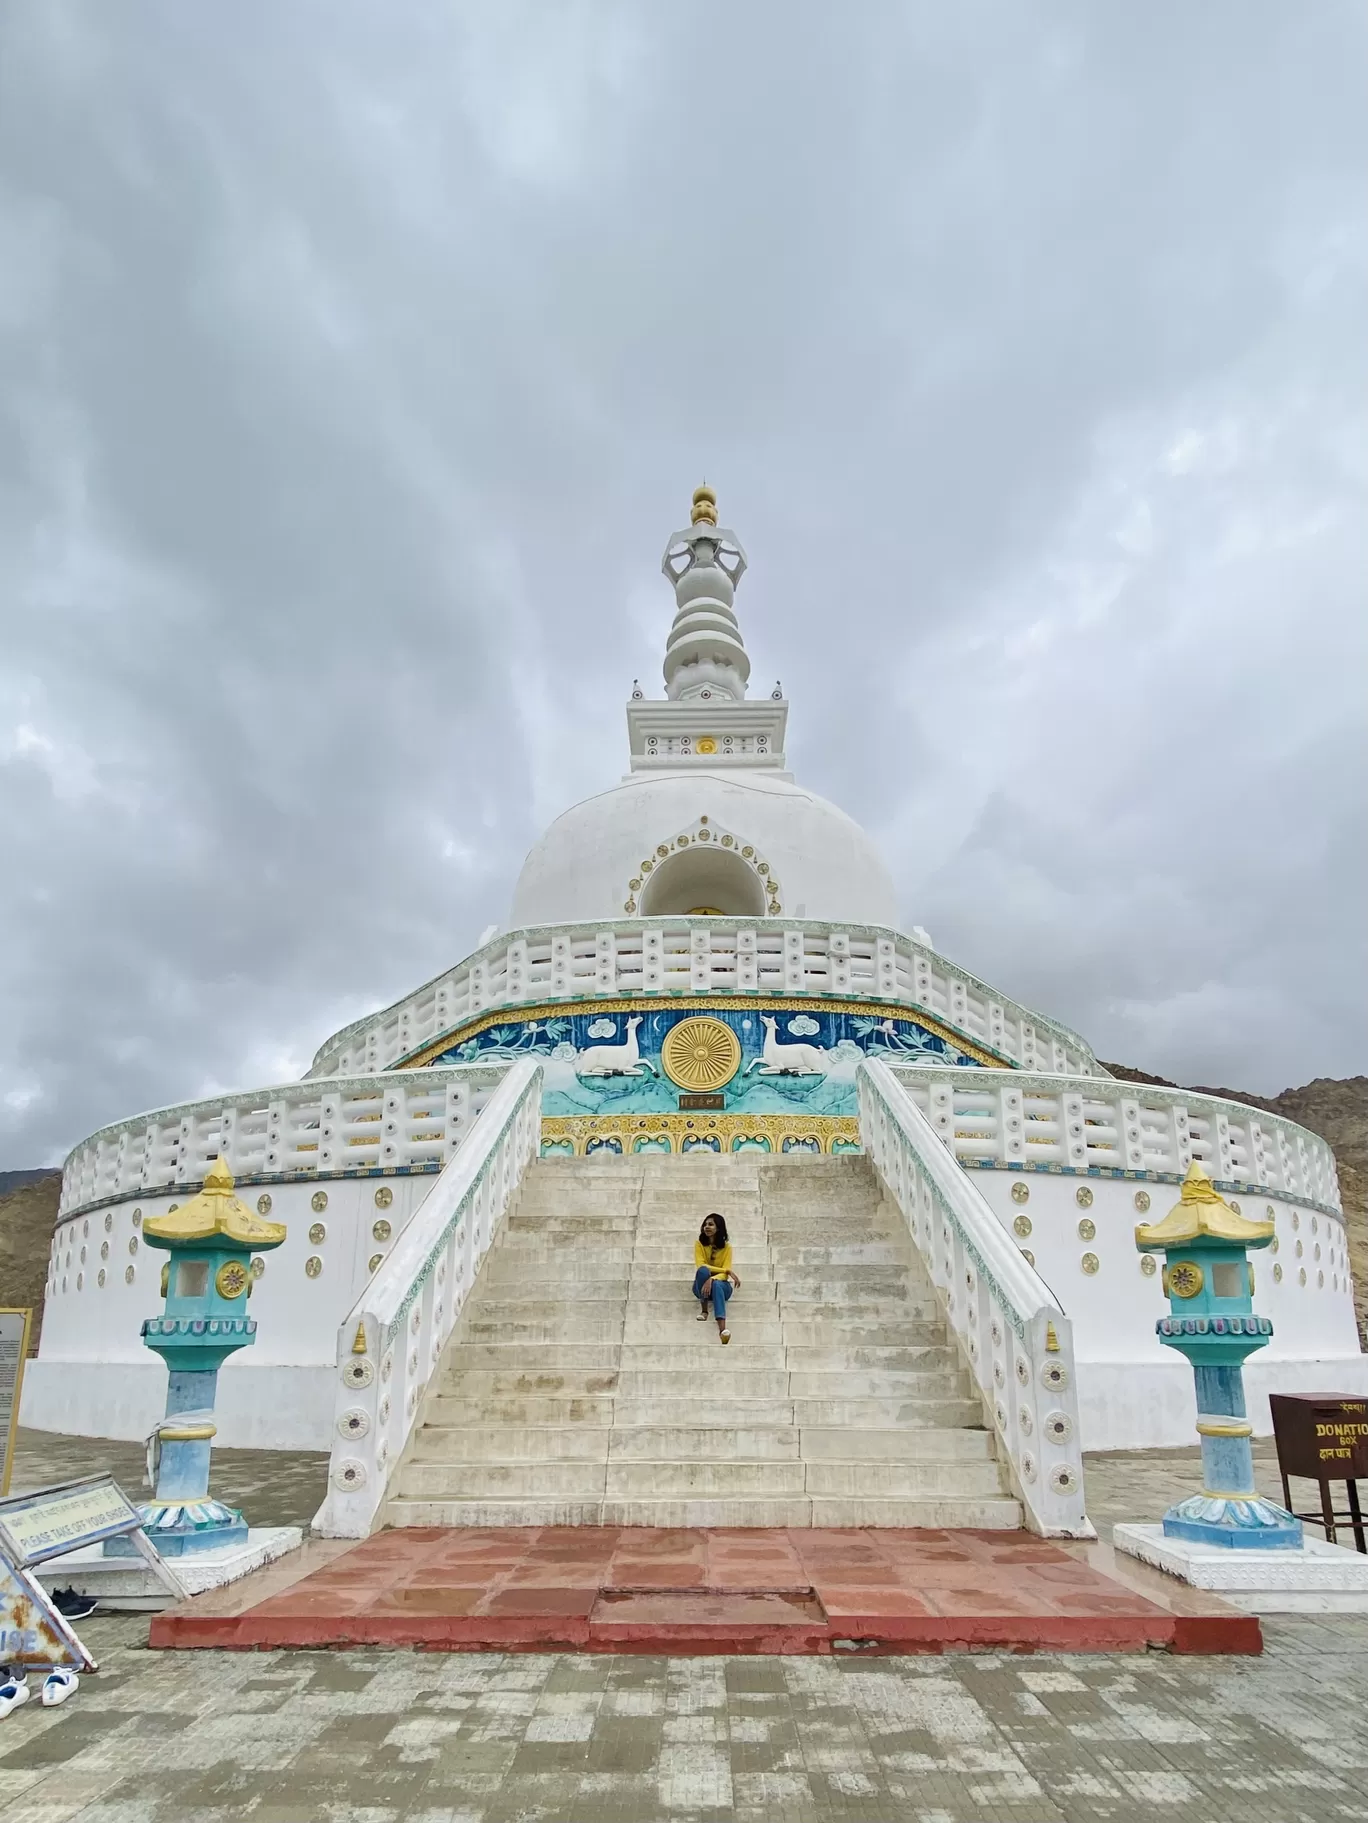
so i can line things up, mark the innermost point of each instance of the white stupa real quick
(699, 959)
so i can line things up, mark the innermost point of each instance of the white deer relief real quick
(787, 1059)
(614, 1059)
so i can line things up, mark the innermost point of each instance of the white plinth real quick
(1321, 1578)
(128, 1582)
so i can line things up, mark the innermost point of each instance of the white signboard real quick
(49, 1522)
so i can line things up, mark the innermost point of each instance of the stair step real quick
(861, 1412)
(667, 1443)
(476, 1443)
(455, 1392)
(878, 1380)
(728, 1376)
(580, 1387)
(932, 1513)
(893, 1443)
(693, 1478)
(822, 1358)
(510, 1412)
(720, 1410)
(904, 1479)
(534, 1356)
(563, 1480)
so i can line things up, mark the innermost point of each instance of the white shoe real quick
(14, 1693)
(724, 1335)
(58, 1686)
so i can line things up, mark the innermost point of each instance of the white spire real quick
(705, 659)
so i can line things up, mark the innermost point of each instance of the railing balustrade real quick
(1015, 1338)
(1010, 1117)
(393, 1336)
(388, 1120)
(704, 955)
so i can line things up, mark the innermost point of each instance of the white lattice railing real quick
(1009, 1117)
(1015, 1338)
(397, 1119)
(393, 1336)
(704, 955)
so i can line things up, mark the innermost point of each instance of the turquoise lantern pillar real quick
(211, 1240)
(1209, 1283)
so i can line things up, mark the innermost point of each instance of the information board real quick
(14, 1343)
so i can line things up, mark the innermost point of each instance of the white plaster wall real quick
(823, 860)
(261, 1405)
(94, 1377)
(1126, 1405)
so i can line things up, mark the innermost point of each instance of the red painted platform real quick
(605, 1589)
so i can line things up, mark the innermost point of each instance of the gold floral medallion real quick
(1184, 1279)
(700, 1054)
(230, 1281)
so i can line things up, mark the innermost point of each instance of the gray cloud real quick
(355, 363)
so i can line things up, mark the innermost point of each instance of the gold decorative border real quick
(708, 1003)
(579, 1129)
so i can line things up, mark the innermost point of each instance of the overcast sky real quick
(357, 360)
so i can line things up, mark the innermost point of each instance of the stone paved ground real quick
(375, 1737)
(385, 1736)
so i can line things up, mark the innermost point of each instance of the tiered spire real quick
(705, 658)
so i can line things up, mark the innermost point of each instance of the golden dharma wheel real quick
(700, 1054)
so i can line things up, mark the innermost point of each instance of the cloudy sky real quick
(356, 361)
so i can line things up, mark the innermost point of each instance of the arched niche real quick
(703, 880)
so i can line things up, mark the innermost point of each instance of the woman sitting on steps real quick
(714, 1281)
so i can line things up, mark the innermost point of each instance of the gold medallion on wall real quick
(700, 1054)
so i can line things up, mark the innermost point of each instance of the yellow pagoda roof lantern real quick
(1201, 1213)
(215, 1211)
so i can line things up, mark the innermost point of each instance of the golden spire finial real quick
(704, 505)
(218, 1179)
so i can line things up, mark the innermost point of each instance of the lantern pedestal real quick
(129, 1584)
(205, 1285)
(1229, 1513)
(1314, 1578)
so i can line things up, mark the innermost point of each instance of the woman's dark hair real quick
(719, 1239)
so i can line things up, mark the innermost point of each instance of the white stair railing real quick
(1015, 1338)
(393, 1336)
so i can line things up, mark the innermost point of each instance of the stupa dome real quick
(623, 853)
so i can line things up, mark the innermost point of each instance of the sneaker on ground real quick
(72, 1606)
(58, 1686)
(14, 1692)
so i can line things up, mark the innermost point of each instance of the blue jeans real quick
(721, 1291)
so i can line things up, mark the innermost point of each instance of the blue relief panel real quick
(792, 1062)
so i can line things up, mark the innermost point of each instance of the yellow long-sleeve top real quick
(717, 1259)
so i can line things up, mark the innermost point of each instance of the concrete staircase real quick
(579, 1388)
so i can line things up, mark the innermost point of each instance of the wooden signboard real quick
(1323, 1438)
(14, 1344)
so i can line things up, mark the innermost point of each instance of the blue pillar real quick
(204, 1319)
(1209, 1283)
